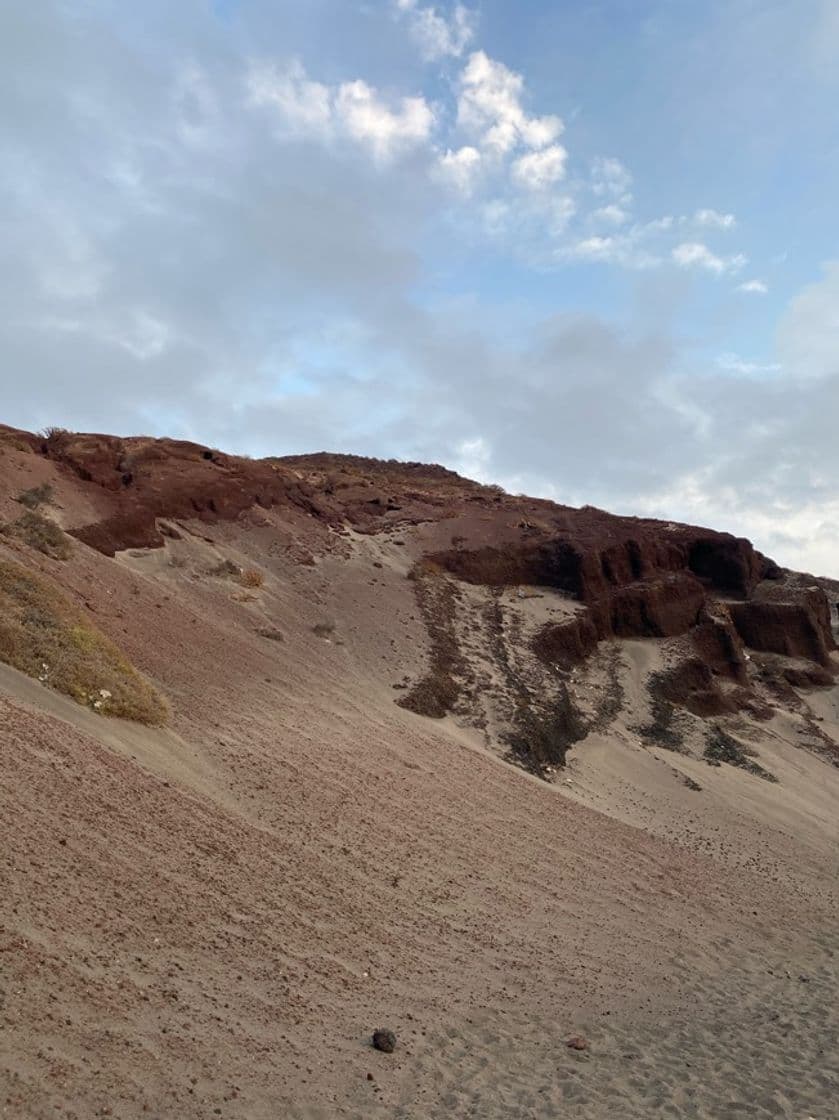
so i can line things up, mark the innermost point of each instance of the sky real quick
(586, 249)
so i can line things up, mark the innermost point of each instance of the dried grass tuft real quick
(46, 637)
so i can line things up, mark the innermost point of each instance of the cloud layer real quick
(246, 242)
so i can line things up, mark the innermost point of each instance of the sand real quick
(212, 919)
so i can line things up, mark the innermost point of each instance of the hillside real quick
(406, 751)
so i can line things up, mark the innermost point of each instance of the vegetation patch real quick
(542, 736)
(225, 569)
(436, 694)
(663, 728)
(251, 577)
(40, 533)
(246, 577)
(544, 728)
(36, 496)
(46, 637)
(722, 747)
(610, 699)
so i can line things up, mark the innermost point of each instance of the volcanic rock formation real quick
(470, 546)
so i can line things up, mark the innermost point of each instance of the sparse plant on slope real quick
(722, 747)
(45, 636)
(664, 728)
(251, 577)
(36, 496)
(56, 438)
(543, 733)
(39, 533)
(437, 692)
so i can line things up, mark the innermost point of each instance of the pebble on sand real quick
(577, 1043)
(385, 1041)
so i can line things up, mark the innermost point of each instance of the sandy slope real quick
(210, 920)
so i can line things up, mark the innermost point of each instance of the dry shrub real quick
(251, 577)
(45, 636)
(225, 569)
(437, 692)
(543, 735)
(433, 696)
(57, 437)
(722, 747)
(36, 496)
(39, 533)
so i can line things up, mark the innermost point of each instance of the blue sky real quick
(587, 250)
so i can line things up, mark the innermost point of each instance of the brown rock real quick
(795, 629)
(384, 1040)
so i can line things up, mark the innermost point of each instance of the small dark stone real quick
(271, 633)
(369, 1076)
(385, 1041)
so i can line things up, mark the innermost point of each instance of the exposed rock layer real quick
(634, 578)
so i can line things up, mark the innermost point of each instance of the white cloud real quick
(732, 363)
(495, 216)
(147, 336)
(437, 36)
(460, 168)
(140, 334)
(598, 248)
(353, 109)
(369, 120)
(612, 215)
(490, 108)
(558, 213)
(609, 177)
(498, 146)
(809, 331)
(713, 219)
(304, 106)
(474, 459)
(540, 170)
(755, 287)
(635, 246)
(693, 254)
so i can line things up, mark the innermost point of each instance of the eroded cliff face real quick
(513, 592)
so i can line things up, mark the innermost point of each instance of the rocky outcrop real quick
(567, 643)
(729, 564)
(718, 644)
(653, 608)
(808, 676)
(634, 577)
(691, 685)
(593, 562)
(141, 480)
(795, 629)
